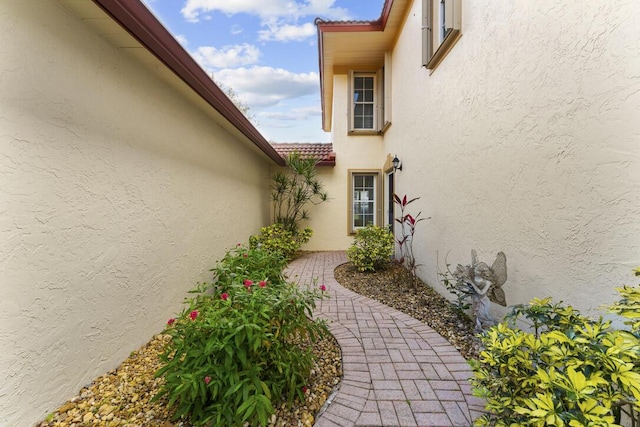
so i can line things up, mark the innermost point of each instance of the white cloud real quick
(261, 87)
(287, 32)
(227, 57)
(268, 10)
(296, 114)
(236, 29)
(182, 40)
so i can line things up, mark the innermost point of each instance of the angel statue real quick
(483, 284)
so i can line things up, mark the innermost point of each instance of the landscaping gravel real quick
(123, 397)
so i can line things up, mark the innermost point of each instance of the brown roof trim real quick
(134, 17)
(346, 27)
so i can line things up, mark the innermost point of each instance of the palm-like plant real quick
(292, 190)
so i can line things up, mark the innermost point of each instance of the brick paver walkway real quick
(397, 370)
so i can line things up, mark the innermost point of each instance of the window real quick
(369, 110)
(364, 199)
(441, 25)
(364, 106)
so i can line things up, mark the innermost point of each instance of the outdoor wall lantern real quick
(396, 164)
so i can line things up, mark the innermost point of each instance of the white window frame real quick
(381, 100)
(441, 29)
(377, 205)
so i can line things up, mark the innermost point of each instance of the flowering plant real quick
(258, 264)
(244, 349)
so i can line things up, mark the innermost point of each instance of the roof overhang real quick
(130, 26)
(322, 152)
(349, 45)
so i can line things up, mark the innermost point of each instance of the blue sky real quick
(266, 51)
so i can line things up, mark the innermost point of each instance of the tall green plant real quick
(294, 189)
(408, 225)
(241, 345)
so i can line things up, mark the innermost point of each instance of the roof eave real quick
(346, 27)
(138, 21)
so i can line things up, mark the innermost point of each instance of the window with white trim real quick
(364, 200)
(367, 98)
(441, 26)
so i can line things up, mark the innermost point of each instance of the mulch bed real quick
(395, 287)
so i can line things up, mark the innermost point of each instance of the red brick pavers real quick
(397, 370)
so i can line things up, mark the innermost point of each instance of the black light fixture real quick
(396, 164)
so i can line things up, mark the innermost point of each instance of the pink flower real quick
(193, 314)
(247, 283)
(207, 380)
(323, 288)
(239, 244)
(224, 296)
(171, 321)
(262, 284)
(245, 255)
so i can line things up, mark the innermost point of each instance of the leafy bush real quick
(459, 291)
(276, 238)
(571, 371)
(372, 248)
(240, 345)
(257, 263)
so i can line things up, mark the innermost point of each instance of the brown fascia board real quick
(138, 21)
(346, 27)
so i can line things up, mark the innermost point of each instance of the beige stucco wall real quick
(329, 220)
(116, 197)
(526, 140)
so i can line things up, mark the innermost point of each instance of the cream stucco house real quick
(516, 123)
(125, 172)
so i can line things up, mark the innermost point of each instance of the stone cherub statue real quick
(483, 284)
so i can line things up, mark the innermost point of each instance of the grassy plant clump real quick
(235, 349)
(570, 371)
(276, 238)
(372, 248)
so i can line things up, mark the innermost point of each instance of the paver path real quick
(397, 370)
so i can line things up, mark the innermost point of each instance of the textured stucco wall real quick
(526, 140)
(329, 220)
(116, 196)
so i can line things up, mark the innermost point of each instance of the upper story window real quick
(364, 102)
(370, 99)
(441, 26)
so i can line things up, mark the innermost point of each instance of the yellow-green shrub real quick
(371, 249)
(276, 238)
(571, 371)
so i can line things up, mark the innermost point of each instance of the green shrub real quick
(257, 263)
(276, 238)
(371, 249)
(570, 371)
(240, 346)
